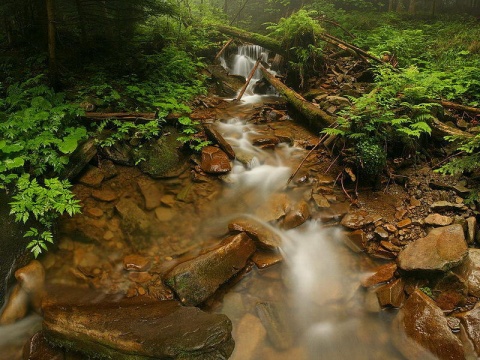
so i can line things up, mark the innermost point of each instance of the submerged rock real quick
(133, 217)
(139, 329)
(421, 331)
(194, 281)
(275, 321)
(442, 249)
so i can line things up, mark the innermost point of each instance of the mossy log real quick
(315, 117)
(254, 38)
(100, 116)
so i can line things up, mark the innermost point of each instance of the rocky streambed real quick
(220, 258)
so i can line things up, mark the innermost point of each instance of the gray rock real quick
(139, 329)
(197, 279)
(421, 331)
(442, 249)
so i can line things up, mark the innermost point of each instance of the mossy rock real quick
(162, 157)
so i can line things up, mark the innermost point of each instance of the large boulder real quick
(215, 161)
(139, 329)
(420, 331)
(442, 249)
(471, 329)
(470, 272)
(196, 280)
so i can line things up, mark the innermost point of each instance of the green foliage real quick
(371, 157)
(189, 130)
(126, 130)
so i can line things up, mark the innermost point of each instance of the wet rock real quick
(196, 280)
(151, 194)
(108, 168)
(168, 200)
(442, 249)
(453, 324)
(382, 274)
(95, 213)
(88, 230)
(400, 214)
(120, 153)
(16, 306)
(414, 202)
(470, 322)
(470, 272)
(259, 232)
(284, 136)
(471, 229)
(136, 262)
(297, 215)
(31, 278)
(164, 214)
(105, 195)
(358, 220)
(390, 228)
(320, 201)
(391, 294)
(266, 258)
(420, 331)
(246, 345)
(274, 318)
(38, 348)
(264, 140)
(217, 138)
(274, 208)
(149, 329)
(355, 240)
(246, 158)
(215, 161)
(438, 220)
(445, 206)
(133, 217)
(93, 177)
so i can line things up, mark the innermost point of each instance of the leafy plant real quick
(125, 130)
(189, 129)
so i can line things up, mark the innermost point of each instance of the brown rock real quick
(381, 232)
(471, 328)
(470, 272)
(471, 229)
(390, 228)
(445, 206)
(438, 220)
(95, 213)
(16, 307)
(105, 195)
(164, 214)
(274, 208)
(216, 137)
(358, 220)
(266, 258)
(442, 249)
(400, 214)
(168, 200)
(264, 140)
(31, 278)
(259, 232)
(297, 215)
(37, 348)
(215, 161)
(355, 240)
(421, 331)
(382, 274)
(92, 178)
(404, 223)
(391, 294)
(246, 345)
(151, 194)
(321, 201)
(136, 262)
(197, 279)
(133, 217)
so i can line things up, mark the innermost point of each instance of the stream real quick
(320, 310)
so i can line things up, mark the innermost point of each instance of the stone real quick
(390, 228)
(297, 215)
(151, 194)
(95, 213)
(445, 206)
(404, 223)
(420, 331)
(108, 168)
(323, 179)
(259, 232)
(277, 205)
(217, 138)
(93, 177)
(274, 319)
(400, 214)
(388, 245)
(31, 278)
(284, 136)
(16, 306)
(442, 249)
(215, 161)
(264, 140)
(266, 258)
(355, 240)
(120, 153)
(438, 220)
(133, 217)
(471, 229)
(195, 280)
(470, 322)
(381, 232)
(38, 348)
(105, 195)
(391, 294)
(136, 262)
(246, 158)
(164, 214)
(470, 272)
(168, 200)
(139, 328)
(382, 274)
(321, 201)
(358, 220)
(414, 202)
(247, 344)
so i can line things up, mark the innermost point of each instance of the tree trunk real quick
(391, 4)
(316, 118)
(412, 7)
(52, 55)
(399, 6)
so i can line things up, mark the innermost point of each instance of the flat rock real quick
(151, 194)
(105, 195)
(274, 208)
(247, 344)
(297, 215)
(358, 220)
(133, 218)
(438, 220)
(93, 177)
(266, 258)
(421, 331)
(135, 262)
(274, 318)
(445, 206)
(382, 274)
(259, 232)
(197, 279)
(442, 249)
(139, 329)
(164, 214)
(264, 140)
(321, 201)
(215, 161)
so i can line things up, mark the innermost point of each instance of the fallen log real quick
(250, 76)
(316, 118)
(222, 50)
(455, 106)
(99, 116)
(79, 159)
(329, 38)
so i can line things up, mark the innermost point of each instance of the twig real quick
(222, 50)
